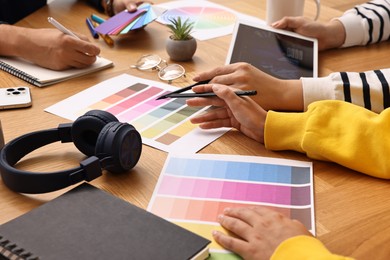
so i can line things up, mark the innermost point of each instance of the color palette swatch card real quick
(125, 21)
(163, 124)
(193, 190)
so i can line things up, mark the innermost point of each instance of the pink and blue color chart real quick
(193, 190)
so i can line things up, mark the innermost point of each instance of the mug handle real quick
(318, 9)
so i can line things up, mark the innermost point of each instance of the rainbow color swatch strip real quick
(193, 190)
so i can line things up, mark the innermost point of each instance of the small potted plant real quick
(180, 46)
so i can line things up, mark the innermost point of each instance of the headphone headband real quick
(119, 160)
(33, 182)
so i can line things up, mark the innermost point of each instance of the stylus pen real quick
(212, 94)
(184, 89)
(61, 27)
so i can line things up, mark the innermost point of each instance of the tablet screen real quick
(282, 54)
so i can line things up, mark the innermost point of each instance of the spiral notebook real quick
(89, 223)
(41, 77)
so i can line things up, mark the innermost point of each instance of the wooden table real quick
(352, 210)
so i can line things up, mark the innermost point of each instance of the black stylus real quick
(211, 94)
(184, 89)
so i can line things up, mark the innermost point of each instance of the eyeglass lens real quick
(165, 72)
(171, 72)
(148, 62)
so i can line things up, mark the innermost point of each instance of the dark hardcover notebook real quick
(88, 223)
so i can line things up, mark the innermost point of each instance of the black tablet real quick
(282, 54)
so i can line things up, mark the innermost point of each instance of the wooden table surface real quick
(352, 210)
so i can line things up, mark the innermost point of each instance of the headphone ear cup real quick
(118, 147)
(86, 129)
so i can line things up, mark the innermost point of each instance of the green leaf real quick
(180, 30)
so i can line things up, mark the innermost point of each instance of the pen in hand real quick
(212, 94)
(178, 93)
(184, 89)
(65, 30)
(61, 27)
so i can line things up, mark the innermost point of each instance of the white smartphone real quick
(16, 97)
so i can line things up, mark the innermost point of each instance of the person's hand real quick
(129, 5)
(258, 231)
(241, 113)
(55, 50)
(330, 35)
(273, 93)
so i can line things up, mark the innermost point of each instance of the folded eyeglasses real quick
(166, 72)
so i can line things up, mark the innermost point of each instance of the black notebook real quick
(88, 223)
(41, 77)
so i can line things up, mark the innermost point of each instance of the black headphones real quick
(111, 145)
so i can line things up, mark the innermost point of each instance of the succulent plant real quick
(180, 30)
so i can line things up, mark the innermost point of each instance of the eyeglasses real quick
(167, 72)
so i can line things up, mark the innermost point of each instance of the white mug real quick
(277, 9)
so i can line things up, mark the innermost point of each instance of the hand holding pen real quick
(61, 27)
(77, 52)
(242, 113)
(202, 91)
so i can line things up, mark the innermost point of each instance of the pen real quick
(61, 27)
(212, 94)
(92, 28)
(184, 89)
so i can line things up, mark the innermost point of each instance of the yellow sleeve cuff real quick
(289, 126)
(304, 248)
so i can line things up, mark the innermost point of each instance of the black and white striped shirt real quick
(364, 24)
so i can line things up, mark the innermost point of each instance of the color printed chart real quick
(163, 124)
(193, 190)
(210, 20)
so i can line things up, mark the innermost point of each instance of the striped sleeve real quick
(368, 89)
(367, 23)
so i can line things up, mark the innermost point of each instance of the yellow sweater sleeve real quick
(304, 248)
(335, 131)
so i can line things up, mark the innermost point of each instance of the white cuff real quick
(315, 89)
(354, 29)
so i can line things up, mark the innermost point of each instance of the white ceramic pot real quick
(181, 50)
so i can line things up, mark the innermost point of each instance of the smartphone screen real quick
(16, 97)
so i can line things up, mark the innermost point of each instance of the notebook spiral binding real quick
(9, 250)
(18, 73)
